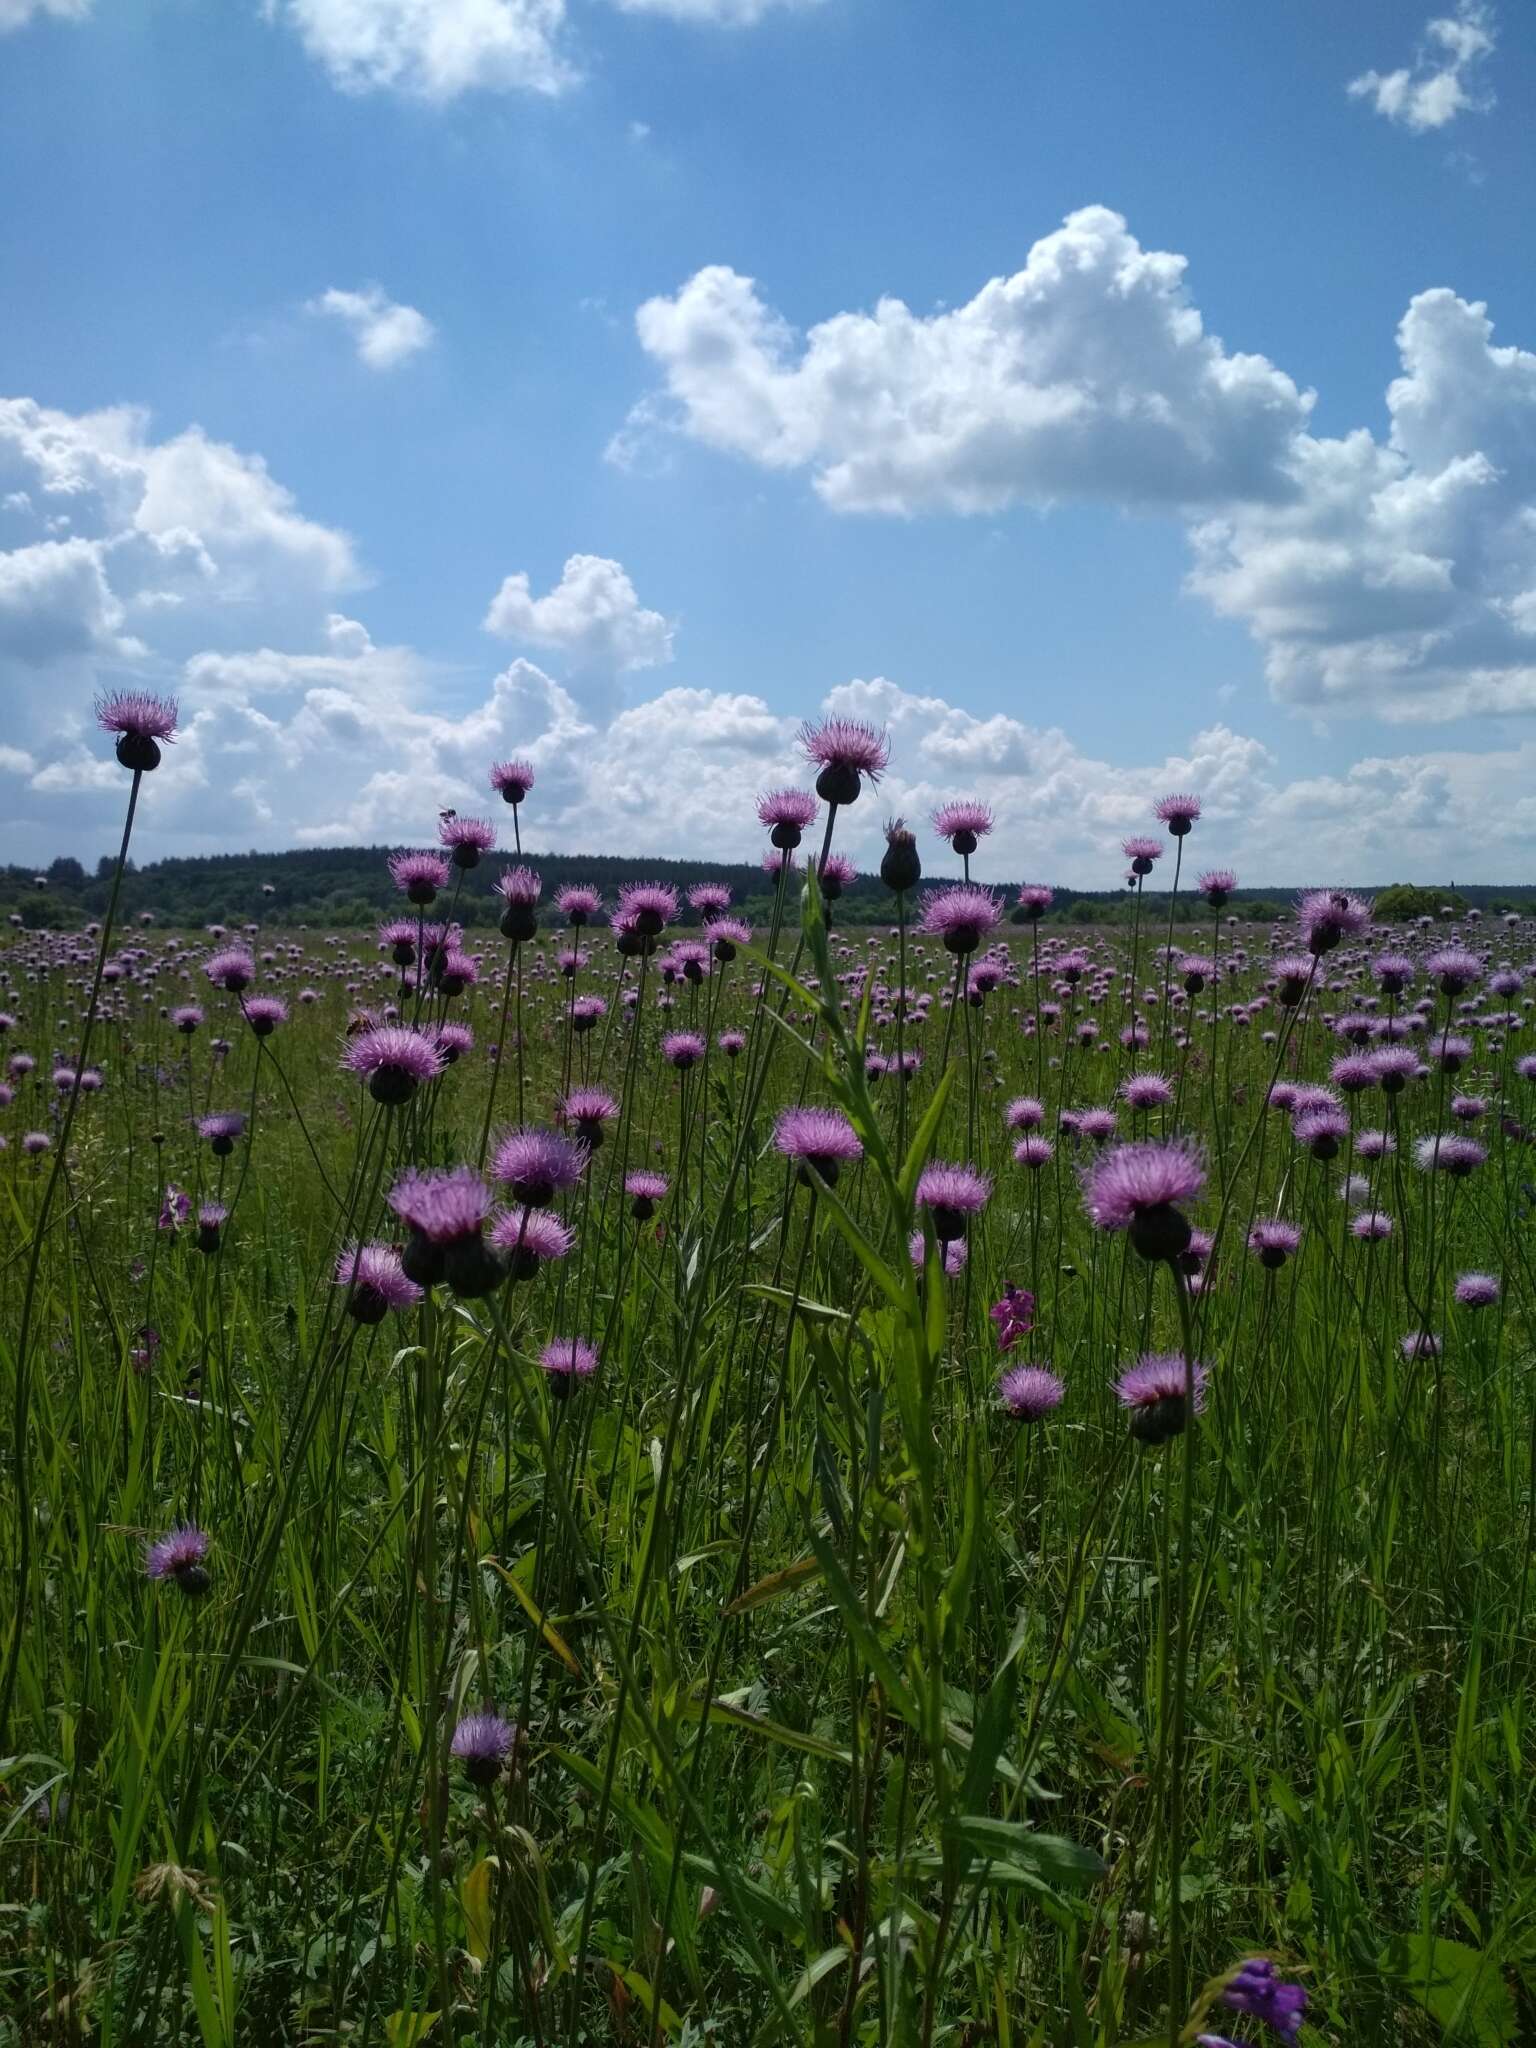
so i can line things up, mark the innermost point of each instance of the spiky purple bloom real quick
(587, 1012)
(1216, 886)
(1371, 1226)
(644, 1190)
(1449, 1152)
(963, 823)
(709, 899)
(835, 875)
(1139, 1187)
(1098, 1124)
(512, 780)
(1395, 1067)
(443, 1205)
(179, 1556)
(530, 1238)
(587, 1111)
(819, 1138)
(649, 906)
(1014, 1315)
(1195, 971)
(1034, 1152)
(1035, 900)
(1327, 916)
(264, 1014)
(1321, 1128)
(1419, 1344)
(482, 1743)
(1455, 969)
(466, 839)
(377, 1280)
(453, 1041)
(683, 1049)
(1393, 972)
(140, 721)
(950, 1193)
(1153, 1389)
(1257, 1989)
(568, 1361)
(1141, 852)
(732, 1043)
(1453, 1053)
(1293, 973)
(1178, 813)
(35, 1143)
(394, 1060)
(1273, 1241)
(232, 970)
(1355, 1072)
(786, 813)
(961, 917)
(1374, 1144)
(221, 1130)
(725, 935)
(419, 876)
(1477, 1290)
(846, 751)
(1147, 1091)
(187, 1017)
(1029, 1392)
(1025, 1113)
(578, 903)
(520, 886)
(535, 1166)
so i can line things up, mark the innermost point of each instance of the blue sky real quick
(1079, 540)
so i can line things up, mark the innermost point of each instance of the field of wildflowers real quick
(656, 1481)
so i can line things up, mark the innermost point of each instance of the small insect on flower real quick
(482, 1743)
(178, 1556)
(1179, 813)
(960, 918)
(1273, 1241)
(819, 1139)
(377, 1281)
(950, 1194)
(1029, 1392)
(567, 1362)
(787, 813)
(847, 752)
(963, 823)
(1138, 1188)
(1327, 916)
(141, 722)
(395, 1060)
(512, 780)
(1156, 1390)
(465, 839)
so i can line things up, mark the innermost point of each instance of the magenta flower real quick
(1394, 1066)
(1156, 1391)
(1034, 901)
(819, 1138)
(709, 899)
(482, 1743)
(179, 1556)
(587, 1111)
(419, 876)
(442, 1206)
(786, 813)
(725, 935)
(377, 1280)
(1178, 813)
(221, 1130)
(394, 1060)
(453, 1041)
(1024, 1113)
(953, 1256)
(1257, 1989)
(1393, 972)
(466, 839)
(567, 1361)
(1141, 852)
(535, 1166)
(1138, 1188)
(1455, 969)
(1147, 1091)
(232, 970)
(1029, 1392)
(187, 1017)
(1450, 1153)
(141, 722)
(1370, 1226)
(732, 1043)
(1014, 1315)
(1273, 1241)
(950, 1194)
(645, 1191)
(512, 780)
(1216, 886)
(1327, 916)
(682, 1049)
(963, 823)
(530, 1238)
(523, 886)
(649, 906)
(1477, 1290)
(1034, 1152)
(961, 917)
(847, 752)
(264, 1014)
(578, 903)
(835, 875)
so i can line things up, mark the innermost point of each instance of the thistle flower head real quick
(1327, 916)
(466, 838)
(1477, 1290)
(536, 1165)
(231, 969)
(179, 1556)
(1178, 813)
(683, 1049)
(1029, 1392)
(482, 1743)
(1154, 1390)
(1272, 1241)
(443, 1205)
(1139, 1187)
(377, 1281)
(512, 780)
(848, 752)
(963, 822)
(394, 1059)
(418, 876)
(961, 917)
(141, 722)
(520, 886)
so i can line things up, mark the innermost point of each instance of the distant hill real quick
(349, 886)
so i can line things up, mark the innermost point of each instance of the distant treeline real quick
(349, 886)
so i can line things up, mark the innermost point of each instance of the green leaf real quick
(787, 1580)
(728, 1716)
(955, 1601)
(475, 1898)
(1457, 1985)
(876, 1658)
(405, 2029)
(987, 1738)
(1051, 1857)
(927, 1131)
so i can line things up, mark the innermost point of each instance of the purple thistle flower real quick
(1273, 1241)
(835, 875)
(846, 751)
(419, 876)
(1014, 1315)
(394, 1060)
(568, 1361)
(1393, 972)
(587, 1012)
(443, 1205)
(786, 813)
(1257, 1988)
(649, 906)
(578, 902)
(950, 1193)
(1395, 1067)
(732, 1043)
(1371, 1226)
(221, 1131)
(1178, 813)
(1326, 916)
(1449, 1152)
(1455, 969)
(645, 1190)
(466, 839)
(35, 1143)
(1453, 1053)
(377, 1280)
(1138, 1188)
(1216, 886)
(179, 1555)
(1355, 1072)
(482, 1743)
(1024, 1113)
(1321, 1127)
(453, 1041)
(187, 1017)
(1098, 1124)
(1034, 1152)
(1141, 852)
(512, 780)
(535, 1166)
(1029, 1392)
(1477, 1290)
(1154, 1390)
(232, 970)
(725, 935)
(141, 722)
(961, 917)
(264, 1014)
(1147, 1091)
(522, 887)
(819, 1138)
(683, 1049)
(1419, 1344)
(709, 899)
(1035, 900)
(587, 1110)
(1195, 971)
(530, 1238)
(963, 823)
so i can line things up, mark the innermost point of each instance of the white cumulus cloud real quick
(1442, 82)
(714, 13)
(593, 615)
(16, 14)
(387, 334)
(434, 49)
